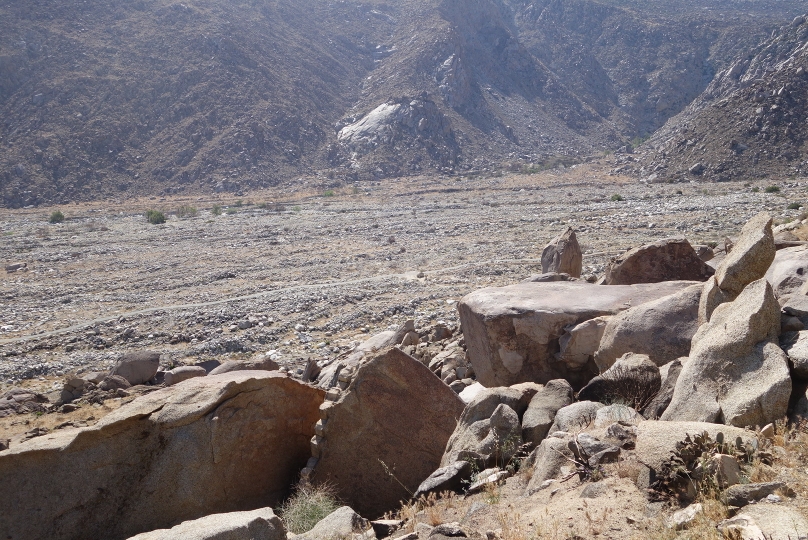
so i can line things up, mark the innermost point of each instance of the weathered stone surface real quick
(795, 345)
(743, 494)
(770, 521)
(656, 440)
(682, 519)
(576, 416)
(788, 271)
(137, 367)
(547, 459)
(712, 296)
(342, 523)
(541, 411)
(260, 364)
(448, 478)
(213, 444)
(736, 373)
(183, 373)
(663, 398)
(750, 257)
(617, 413)
(396, 414)
(261, 524)
(21, 400)
(661, 329)
(513, 332)
(489, 428)
(631, 379)
(563, 255)
(580, 342)
(665, 260)
(800, 412)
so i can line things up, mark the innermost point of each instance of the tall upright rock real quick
(563, 255)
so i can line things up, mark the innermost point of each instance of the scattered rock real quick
(261, 524)
(137, 367)
(736, 373)
(20, 401)
(682, 519)
(743, 494)
(665, 260)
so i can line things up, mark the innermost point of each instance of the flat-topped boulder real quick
(513, 333)
(670, 259)
(214, 444)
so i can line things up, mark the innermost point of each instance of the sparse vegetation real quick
(216, 210)
(794, 206)
(307, 506)
(755, 189)
(56, 217)
(328, 193)
(296, 208)
(231, 210)
(772, 189)
(617, 197)
(186, 211)
(239, 203)
(155, 217)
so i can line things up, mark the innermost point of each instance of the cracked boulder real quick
(516, 333)
(211, 445)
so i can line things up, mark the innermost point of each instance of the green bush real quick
(328, 193)
(56, 217)
(297, 208)
(216, 210)
(155, 217)
(755, 189)
(239, 203)
(794, 206)
(230, 211)
(307, 506)
(617, 197)
(772, 189)
(186, 211)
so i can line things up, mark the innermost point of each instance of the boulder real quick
(736, 373)
(612, 414)
(671, 259)
(261, 524)
(795, 345)
(489, 431)
(788, 271)
(114, 382)
(661, 329)
(663, 398)
(548, 459)
(656, 440)
(183, 373)
(137, 367)
(21, 400)
(449, 478)
(258, 364)
(344, 524)
(580, 342)
(748, 261)
(800, 412)
(513, 333)
(770, 521)
(682, 519)
(395, 417)
(541, 411)
(633, 379)
(563, 255)
(742, 494)
(214, 444)
(576, 416)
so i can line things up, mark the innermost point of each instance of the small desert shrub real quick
(56, 217)
(186, 211)
(216, 210)
(239, 203)
(155, 217)
(307, 506)
(794, 206)
(616, 197)
(772, 189)
(755, 189)
(230, 211)
(297, 208)
(328, 193)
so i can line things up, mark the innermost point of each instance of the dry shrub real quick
(308, 505)
(626, 386)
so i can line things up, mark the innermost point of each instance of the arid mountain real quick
(748, 123)
(110, 97)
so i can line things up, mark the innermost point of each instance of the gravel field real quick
(308, 274)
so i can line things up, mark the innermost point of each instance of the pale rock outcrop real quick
(665, 260)
(770, 521)
(137, 367)
(661, 329)
(563, 255)
(395, 416)
(748, 261)
(210, 445)
(736, 373)
(788, 271)
(513, 333)
(261, 524)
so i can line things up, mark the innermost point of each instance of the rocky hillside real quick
(108, 97)
(749, 122)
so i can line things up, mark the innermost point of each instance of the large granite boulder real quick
(541, 411)
(661, 329)
(748, 261)
(736, 374)
(789, 270)
(210, 445)
(261, 524)
(671, 259)
(137, 367)
(563, 255)
(395, 417)
(514, 333)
